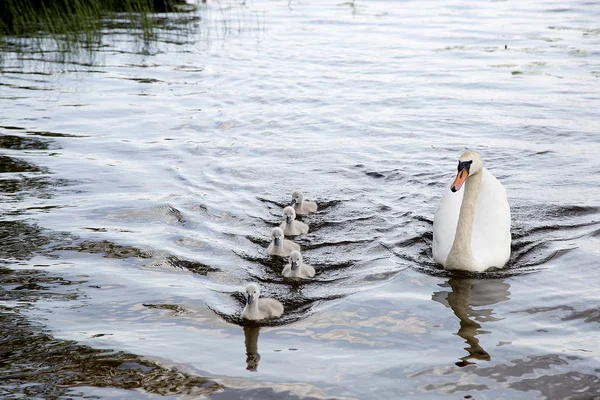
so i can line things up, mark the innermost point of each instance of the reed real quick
(76, 19)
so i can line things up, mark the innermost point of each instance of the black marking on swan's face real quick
(289, 215)
(297, 197)
(251, 294)
(295, 259)
(466, 165)
(277, 235)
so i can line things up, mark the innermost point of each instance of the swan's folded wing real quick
(444, 224)
(490, 243)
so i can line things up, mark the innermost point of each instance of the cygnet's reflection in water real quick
(252, 356)
(466, 298)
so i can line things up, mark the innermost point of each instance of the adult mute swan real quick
(301, 206)
(290, 226)
(296, 267)
(281, 246)
(257, 308)
(471, 228)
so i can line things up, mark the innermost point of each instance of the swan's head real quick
(252, 293)
(297, 197)
(468, 164)
(277, 235)
(289, 214)
(295, 259)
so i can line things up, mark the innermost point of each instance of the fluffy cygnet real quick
(257, 308)
(301, 206)
(296, 267)
(280, 246)
(290, 226)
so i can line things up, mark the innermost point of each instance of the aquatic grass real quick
(79, 33)
(73, 24)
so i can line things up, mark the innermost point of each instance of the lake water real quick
(139, 189)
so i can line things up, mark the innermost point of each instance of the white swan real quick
(257, 308)
(471, 228)
(290, 226)
(280, 246)
(301, 206)
(296, 267)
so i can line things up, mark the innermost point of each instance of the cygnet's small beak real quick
(461, 177)
(276, 240)
(294, 265)
(249, 299)
(288, 219)
(293, 202)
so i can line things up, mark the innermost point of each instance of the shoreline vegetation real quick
(73, 24)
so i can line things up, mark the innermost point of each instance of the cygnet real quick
(290, 226)
(301, 206)
(296, 267)
(280, 246)
(257, 308)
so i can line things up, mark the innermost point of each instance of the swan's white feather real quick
(490, 239)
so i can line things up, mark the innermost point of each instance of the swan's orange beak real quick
(461, 177)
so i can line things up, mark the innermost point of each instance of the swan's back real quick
(310, 206)
(270, 308)
(303, 271)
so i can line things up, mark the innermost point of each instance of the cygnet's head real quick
(297, 197)
(277, 235)
(289, 214)
(252, 293)
(468, 164)
(295, 259)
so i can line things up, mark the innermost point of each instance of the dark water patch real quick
(189, 265)
(54, 134)
(307, 245)
(521, 367)
(260, 241)
(14, 165)
(38, 186)
(376, 175)
(108, 229)
(324, 205)
(571, 385)
(36, 365)
(21, 240)
(318, 224)
(26, 87)
(143, 80)
(562, 211)
(173, 308)
(30, 285)
(107, 249)
(23, 143)
(566, 313)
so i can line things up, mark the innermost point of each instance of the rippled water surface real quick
(139, 191)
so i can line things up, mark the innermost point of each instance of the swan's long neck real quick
(461, 256)
(254, 307)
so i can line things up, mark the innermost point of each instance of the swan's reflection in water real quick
(252, 357)
(467, 298)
